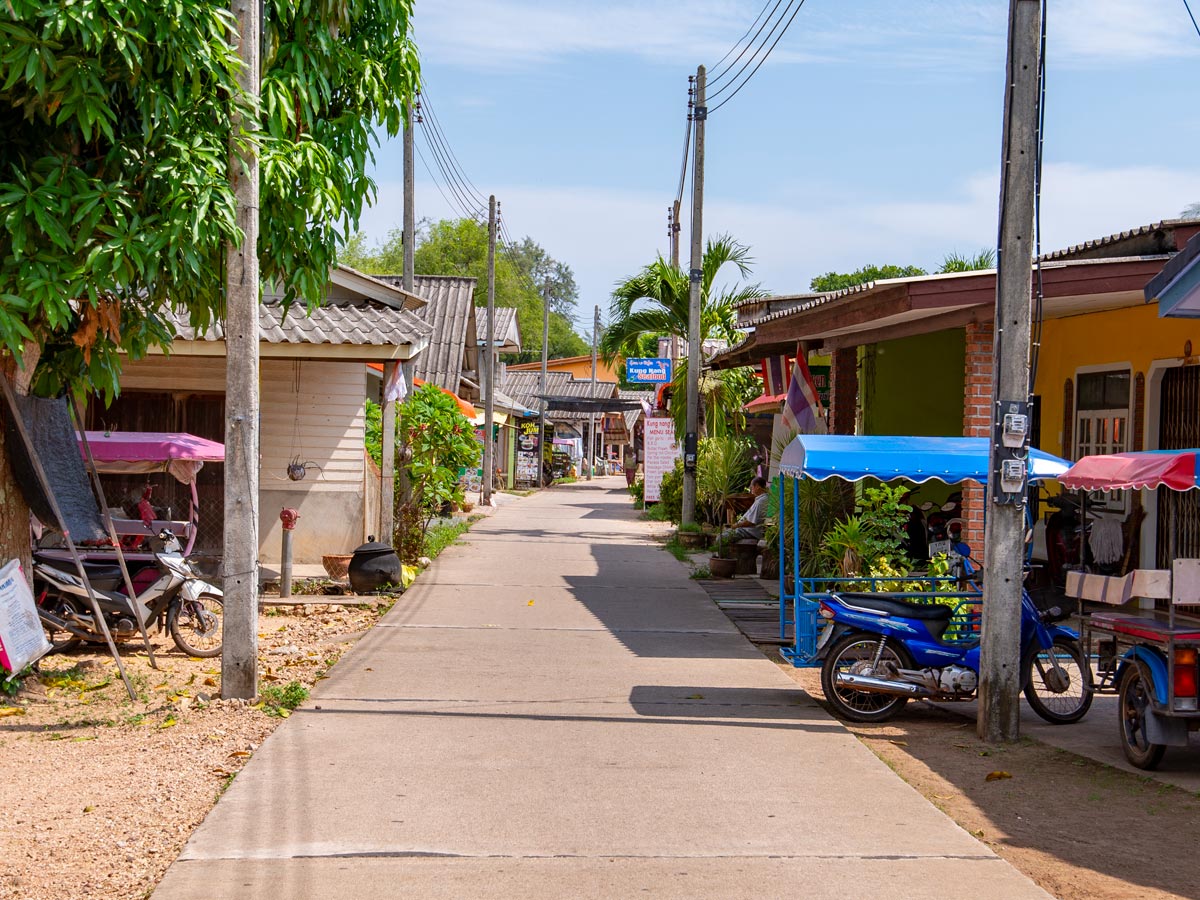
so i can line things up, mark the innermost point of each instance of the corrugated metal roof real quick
(1146, 240)
(357, 324)
(525, 387)
(450, 310)
(508, 329)
(632, 415)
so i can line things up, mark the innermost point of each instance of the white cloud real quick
(605, 235)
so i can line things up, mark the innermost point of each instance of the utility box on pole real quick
(1004, 533)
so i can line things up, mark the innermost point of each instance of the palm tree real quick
(655, 301)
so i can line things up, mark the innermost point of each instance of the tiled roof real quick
(632, 415)
(1145, 240)
(508, 330)
(450, 309)
(365, 323)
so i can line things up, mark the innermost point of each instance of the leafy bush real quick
(873, 538)
(723, 468)
(280, 701)
(637, 491)
(670, 493)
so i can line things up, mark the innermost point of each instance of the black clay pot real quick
(373, 565)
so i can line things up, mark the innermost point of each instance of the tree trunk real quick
(14, 512)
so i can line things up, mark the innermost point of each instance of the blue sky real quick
(871, 135)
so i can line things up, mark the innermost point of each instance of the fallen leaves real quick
(998, 775)
(6, 711)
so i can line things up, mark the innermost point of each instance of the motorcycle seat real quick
(102, 577)
(891, 606)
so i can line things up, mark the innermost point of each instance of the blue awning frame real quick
(889, 457)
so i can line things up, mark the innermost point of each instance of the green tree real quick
(957, 262)
(115, 177)
(655, 301)
(459, 247)
(385, 258)
(1191, 211)
(838, 281)
(547, 273)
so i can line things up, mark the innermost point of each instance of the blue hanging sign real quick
(648, 371)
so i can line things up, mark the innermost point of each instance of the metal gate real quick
(1179, 429)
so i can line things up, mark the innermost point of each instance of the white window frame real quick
(1110, 501)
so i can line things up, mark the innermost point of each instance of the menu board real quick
(528, 465)
(661, 451)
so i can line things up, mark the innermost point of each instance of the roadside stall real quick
(1150, 658)
(854, 458)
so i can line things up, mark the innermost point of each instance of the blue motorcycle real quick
(879, 652)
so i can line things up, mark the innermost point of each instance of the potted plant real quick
(692, 536)
(720, 566)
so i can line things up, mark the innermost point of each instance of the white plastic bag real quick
(22, 640)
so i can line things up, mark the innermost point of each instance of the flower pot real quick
(336, 565)
(720, 567)
(693, 540)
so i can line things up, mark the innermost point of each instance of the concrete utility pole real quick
(542, 381)
(410, 248)
(387, 487)
(674, 228)
(239, 654)
(489, 368)
(592, 415)
(1004, 532)
(699, 113)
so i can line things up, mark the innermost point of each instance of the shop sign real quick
(650, 370)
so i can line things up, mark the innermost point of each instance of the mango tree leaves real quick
(117, 122)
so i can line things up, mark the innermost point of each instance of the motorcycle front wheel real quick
(1059, 695)
(195, 625)
(853, 654)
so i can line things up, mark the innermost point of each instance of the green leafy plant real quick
(280, 701)
(670, 493)
(439, 537)
(691, 528)
(723, 468)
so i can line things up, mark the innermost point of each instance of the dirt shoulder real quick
(1080, 829)
(99, 793)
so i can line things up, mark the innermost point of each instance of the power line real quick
(761, 61)
(721, 74)
(470, 210)
(757, 50)
(458, 167)
(1190, 16)
(450, 203)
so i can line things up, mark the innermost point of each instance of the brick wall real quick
(843, 395)
(977, 422)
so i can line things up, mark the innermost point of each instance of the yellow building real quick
(578, 366)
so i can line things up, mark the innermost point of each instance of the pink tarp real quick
(133, 452)
(1176, 469)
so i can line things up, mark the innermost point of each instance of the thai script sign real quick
(648, 370)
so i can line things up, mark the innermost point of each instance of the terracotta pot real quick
(720, 567)
(336, 565)
(693, 540)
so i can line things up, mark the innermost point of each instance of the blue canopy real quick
(917, 459)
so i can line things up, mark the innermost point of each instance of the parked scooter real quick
(879, 652)
(178, 600)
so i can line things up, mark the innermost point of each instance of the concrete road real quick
(555, 711)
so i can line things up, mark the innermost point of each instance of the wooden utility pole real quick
(591, 459)
(1004, 532)
(489, 356)
(542, 381)
(695, 278)
(239, 653)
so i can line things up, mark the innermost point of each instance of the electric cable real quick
(760, 62)
(1039, 293)
(458, 167)
(721, 74)
(757, 50)
(1188, 7)
(464, 202)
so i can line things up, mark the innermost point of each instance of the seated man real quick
(750, 526)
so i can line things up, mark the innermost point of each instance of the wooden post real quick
(542, 460)
(695, 282)
(1000, 653)
(239, 653)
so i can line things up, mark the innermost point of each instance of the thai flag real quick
(802, 408)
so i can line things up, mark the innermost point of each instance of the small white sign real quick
(661, 451)
(22, 640)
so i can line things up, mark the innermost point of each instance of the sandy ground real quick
(98, 794)
(1082, 830)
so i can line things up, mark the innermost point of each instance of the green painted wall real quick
(914, 385)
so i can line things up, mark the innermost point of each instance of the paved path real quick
(555, 711)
